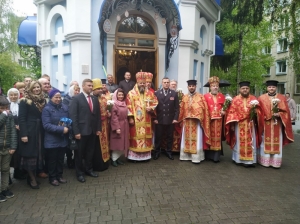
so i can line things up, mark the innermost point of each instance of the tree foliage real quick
(9, 24)
(10, 72)
(245, 34)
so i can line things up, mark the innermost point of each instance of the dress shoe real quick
(91, 174)
(42, 175)
(81, 179)
(54, 183)
(156, 156)
(120, 162)
(62, 180)
(114, 163)
(169, 155)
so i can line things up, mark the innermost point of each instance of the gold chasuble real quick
(215, 104)
(239, 111)
(141, 132)
(104, 135)
(193, 109)
(272, 131)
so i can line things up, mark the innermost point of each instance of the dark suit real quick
(85, 123)
(126, 86)
(167, 110)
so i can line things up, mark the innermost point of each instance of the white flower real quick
(275, 101)
(110, 102)
(254, 102)
(179, 90)
(228, 98)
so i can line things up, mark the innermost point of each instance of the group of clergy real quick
(195, 125)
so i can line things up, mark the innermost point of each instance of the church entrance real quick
(135, 48)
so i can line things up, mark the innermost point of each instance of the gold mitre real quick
(97, 84)
(149, 77)
(214, 80)
(141, 76)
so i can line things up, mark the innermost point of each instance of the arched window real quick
(135, 32)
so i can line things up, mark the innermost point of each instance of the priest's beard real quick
(141, 89)
(245, 95)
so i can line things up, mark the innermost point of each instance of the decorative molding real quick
(78, 36)
(111, 37)
(189, 43)
(46, 43)
(162, 41)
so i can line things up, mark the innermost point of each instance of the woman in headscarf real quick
(56, 136)
(31, 131)
(13, 96)
(119, 141)
(73, 91)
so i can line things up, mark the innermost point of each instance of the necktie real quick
(166, 92)
(90, 103)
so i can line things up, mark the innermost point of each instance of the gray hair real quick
(173, 80)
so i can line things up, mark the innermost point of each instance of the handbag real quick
(72, 142)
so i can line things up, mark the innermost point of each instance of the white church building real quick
(82, 39)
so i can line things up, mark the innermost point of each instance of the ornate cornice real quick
(46, 43)
(78, 36)
(189, 43)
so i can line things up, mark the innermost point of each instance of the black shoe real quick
(91, 174)
(169, 155)
(2, 198)
(54, 183)
(120, 162)
(81, 179)
(62, 180)
(7, 193)
(156, 156)
(114, 163)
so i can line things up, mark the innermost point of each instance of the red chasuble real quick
(194, 109)
(272, 130)
(239, 111)
(215, 104)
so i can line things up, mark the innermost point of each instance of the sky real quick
(24, 7)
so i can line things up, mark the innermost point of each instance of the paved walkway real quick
(166, 191)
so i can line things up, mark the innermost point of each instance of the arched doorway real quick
(135, 48)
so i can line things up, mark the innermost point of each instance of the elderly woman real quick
(119, 141)
(73, 91)
(31, 131)
(13, 96)
(56, 136)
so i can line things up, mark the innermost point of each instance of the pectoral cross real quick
(148, 101)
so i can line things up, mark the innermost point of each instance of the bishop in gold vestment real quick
(195, 125)
(141, 105)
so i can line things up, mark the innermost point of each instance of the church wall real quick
(96, 59)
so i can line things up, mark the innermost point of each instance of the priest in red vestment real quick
(276, 130)
(195, 120)
(241, 128)
(215, 101)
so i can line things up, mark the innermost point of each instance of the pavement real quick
(165, 191)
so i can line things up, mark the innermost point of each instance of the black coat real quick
(126, 86)
(167, 109)
(85, 122)
(30, 123)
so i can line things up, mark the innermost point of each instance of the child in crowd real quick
(8, 145)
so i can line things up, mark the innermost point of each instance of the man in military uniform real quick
(167, 112)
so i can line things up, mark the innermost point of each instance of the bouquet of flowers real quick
(110, 104)
(227, 102)
(253, 104)
(111, 95)
(180, 94)
(275, 109)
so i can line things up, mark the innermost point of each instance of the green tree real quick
(10, 72)
(9, 24)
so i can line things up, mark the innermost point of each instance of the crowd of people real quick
(105, 123)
